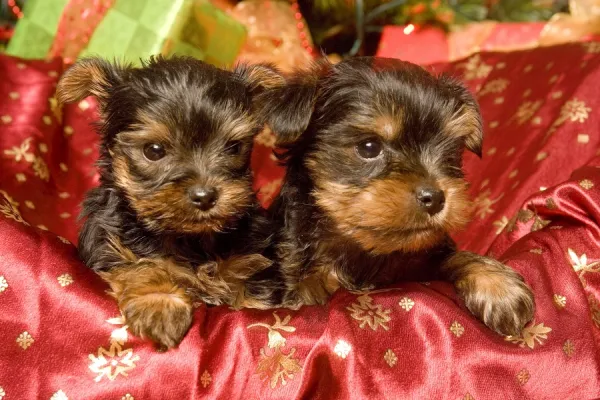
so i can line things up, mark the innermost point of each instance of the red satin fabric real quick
(61, 335)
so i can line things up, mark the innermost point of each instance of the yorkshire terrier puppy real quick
(375, 185)
(174, 219)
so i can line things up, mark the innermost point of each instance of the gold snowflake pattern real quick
(573, 110)
(594, 310)
(560, 301)
(586, 184)
(500, 224)
(112, 363)
(369, 314)
(56, 109)
(468, 397)
(41, 169)
(342, 348)
(65, 280)
(539, 223)
(527, 110)
(531, 334)
(406, 303)
(390, 358)
(537, 250)
(205, 379)
(10, 208)
(494, 86)
(3, 284)
(523, 376)
(2, 393)
(581, 266)
(266, 137)
(60, 395)
(569, 348)
(475, 68)
(23, 152)
(275, 366)
(551, 204)
(483, 203)
(127, 397)
(457, 329)
(25, 340)
(591, 47)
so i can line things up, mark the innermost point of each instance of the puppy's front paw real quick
(163, 318)
(495, 294)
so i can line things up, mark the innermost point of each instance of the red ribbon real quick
(76, 26)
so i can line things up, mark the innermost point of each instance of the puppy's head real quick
(176, 136)
(382, 141)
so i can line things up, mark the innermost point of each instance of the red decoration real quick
(61, 335)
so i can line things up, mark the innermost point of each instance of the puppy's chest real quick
(357, 269)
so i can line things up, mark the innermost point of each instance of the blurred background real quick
(288, 32)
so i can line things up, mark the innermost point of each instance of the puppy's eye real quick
(154, 151)
(233, 147)
(370, 148)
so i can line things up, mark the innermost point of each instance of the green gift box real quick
(135, 29)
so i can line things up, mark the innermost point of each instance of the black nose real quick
(431, 199)
(203, 197)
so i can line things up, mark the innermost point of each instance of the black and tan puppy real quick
(375, 184)
(174, 219)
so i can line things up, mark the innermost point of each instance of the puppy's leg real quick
(493, 292)
(152, 296)
(316, 287)
(247, 278)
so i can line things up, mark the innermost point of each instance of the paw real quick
(164, 318)
(496, 295)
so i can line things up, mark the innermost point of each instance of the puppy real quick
(174, 219)
(374, 185)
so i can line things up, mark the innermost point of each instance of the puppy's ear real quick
(465, 120)
(89, 77)
(287, 103)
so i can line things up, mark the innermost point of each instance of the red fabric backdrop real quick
(537, 196)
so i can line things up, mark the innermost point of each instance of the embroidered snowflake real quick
(342, 348)
(523, 376)
(41, 169)
(369, 314)
(494, 86)
(527, 110)
(65, 280)
(60, 395)
(10, 208)
(569, 348)
(3, 284)
(586, 184)
(205, 379)
(530, 335)
(575, 110)
(560, 301)
(113, 362)
(25, 340)
(500, 224)
(406, 303)
(390, 358)
(457, 329)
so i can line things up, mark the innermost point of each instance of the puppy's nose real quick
(431, 199)
(203, 197)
